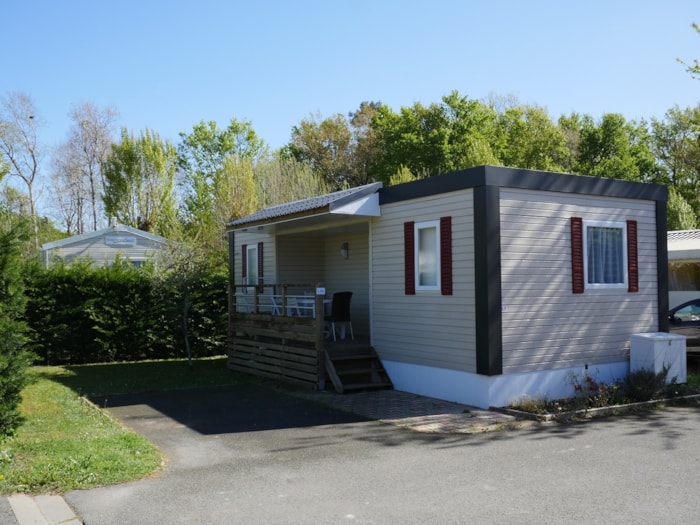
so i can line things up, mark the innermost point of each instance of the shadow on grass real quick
(144, 376)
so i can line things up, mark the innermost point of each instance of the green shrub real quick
(80, 314)
(14, 359)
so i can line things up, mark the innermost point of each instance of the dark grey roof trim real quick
(523, 179)
(323, 203)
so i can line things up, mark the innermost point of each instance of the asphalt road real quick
(254, 456)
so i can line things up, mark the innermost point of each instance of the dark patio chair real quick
(340, 312)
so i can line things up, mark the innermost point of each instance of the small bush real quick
(644, 385)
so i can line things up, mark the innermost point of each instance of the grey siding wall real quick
(427, 328)
(545, 325)
(103, 249)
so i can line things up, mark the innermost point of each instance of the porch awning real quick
(362, 201)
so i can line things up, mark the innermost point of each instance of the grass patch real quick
(66, 443)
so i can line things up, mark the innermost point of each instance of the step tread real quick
(363, 370)
(361, 386)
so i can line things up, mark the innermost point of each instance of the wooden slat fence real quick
(271, 334)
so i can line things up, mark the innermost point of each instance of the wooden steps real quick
(356, 368)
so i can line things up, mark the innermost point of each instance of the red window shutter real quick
(446, 255)
(244, 261)
(260, 267)
(409, 244)
(577, 284)
(632, 257)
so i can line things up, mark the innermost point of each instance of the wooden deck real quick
(293, 348)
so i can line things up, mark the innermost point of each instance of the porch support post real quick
(231, 285)
(320, 346)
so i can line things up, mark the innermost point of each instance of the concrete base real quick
(496, 391)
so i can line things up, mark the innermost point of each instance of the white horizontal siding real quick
(351, 274)
(269, 260)
(545, 324)
(427, 328)
(300, 261)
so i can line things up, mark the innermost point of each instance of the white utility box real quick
(653, 351)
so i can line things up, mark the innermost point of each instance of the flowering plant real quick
(589, 392)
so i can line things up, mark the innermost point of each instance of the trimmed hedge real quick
(80, 314)
(14, 359)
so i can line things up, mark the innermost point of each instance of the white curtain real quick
(605, 255)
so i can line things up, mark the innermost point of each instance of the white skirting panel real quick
(496, 391)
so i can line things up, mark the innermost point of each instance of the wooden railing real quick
(276, 334)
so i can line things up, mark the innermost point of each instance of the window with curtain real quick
(605, 254)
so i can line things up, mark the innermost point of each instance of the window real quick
(605, 258)
(251, 256)
(604, 255)
(427, 255)
(252, 264)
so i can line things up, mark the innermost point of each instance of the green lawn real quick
(67, 443)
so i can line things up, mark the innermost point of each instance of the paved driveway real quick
(250, 455)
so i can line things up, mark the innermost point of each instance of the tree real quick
(4, 168)
(365, 144)
(78, 174)
(680, 215)
(326, 146)
(234, 188)
(283, 179)
(140, 182)
(458, 133)
(694, 68)
(676, 145)
(401, 176)
(341, 150)
(20, 147)
(14, 360)
(202, 154)
(614, 148)
(71, 194)
(528, 138)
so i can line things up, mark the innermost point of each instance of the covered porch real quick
(286, 264)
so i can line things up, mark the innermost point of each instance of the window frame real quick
(417, 227)
(620, 225)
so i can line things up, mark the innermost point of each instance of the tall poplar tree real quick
(140, 183)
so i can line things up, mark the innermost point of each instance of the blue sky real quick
(166, 65)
